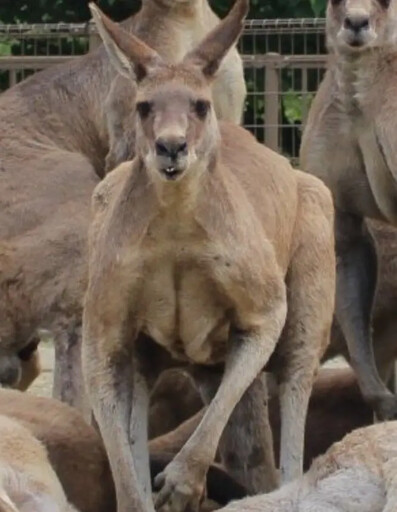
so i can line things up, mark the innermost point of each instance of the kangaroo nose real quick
(357, 22)
(171, 147)
(9, 373)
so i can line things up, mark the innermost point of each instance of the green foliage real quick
(52, 11)
(318, 7)
(5, 49)
(293, 105)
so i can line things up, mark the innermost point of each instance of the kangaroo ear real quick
(130, 56)
(209, 54)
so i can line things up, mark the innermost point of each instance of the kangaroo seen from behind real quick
(350, 143)
(206, 249)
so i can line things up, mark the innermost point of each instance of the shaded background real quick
(50, 11)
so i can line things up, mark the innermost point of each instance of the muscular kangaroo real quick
(58, 134)
(207, 249)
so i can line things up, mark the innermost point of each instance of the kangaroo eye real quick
(202, 107)
(144, 108)
(336, 2)
(384, 3)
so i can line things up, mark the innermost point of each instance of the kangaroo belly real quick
(182, 310)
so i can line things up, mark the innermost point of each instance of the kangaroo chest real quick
(364, 119)
(189, 287)
(182, 309)
(180, 302)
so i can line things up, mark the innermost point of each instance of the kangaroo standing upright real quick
(350, 143)
(208, 250)
(59, 133)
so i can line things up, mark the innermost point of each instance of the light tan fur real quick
(164, 403)
(208, 248)
(77, 455)
(27, 481)
(349, 142)
(57, 128)
(75, 449)
(356, 474)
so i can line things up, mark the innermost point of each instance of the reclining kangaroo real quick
(350, 143)
(28, 483)
(56, 128)
(207, 249)
(356, 474)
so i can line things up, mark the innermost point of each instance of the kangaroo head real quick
(354, 26)
(176, 124)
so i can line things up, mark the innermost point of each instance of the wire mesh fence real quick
(284, 62)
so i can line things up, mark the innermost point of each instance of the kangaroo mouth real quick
(171, 172)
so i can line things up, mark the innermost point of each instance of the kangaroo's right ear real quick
(209, 54)
(130, 56)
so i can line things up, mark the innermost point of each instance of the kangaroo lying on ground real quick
(57, 128)
(205, 233)
(77, 455)
(356, 474)
(75, 449)
(27, 481)
(350, 143)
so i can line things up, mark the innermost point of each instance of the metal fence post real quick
(272, 93)
(13, 77)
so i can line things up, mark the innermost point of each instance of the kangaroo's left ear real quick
(209, 54)
(130, 56)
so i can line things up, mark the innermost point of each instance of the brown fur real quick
(173, 399)
(349, 143)
(336, 408)
(75, 449)
(226, 232)
(28, 482)
(55, 136)
(384, 338)
(76, 452)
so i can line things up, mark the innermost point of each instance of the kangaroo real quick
(58, 136)
(348, 142)
(336, 408)
(77, 455)
(355, 474)
(207, 249)
(19, 369)
(167, 393)
(28, 482)
(75, 450)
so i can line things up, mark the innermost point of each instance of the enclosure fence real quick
(284, 62)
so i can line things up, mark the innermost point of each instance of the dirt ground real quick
(42, 386)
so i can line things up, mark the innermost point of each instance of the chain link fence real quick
(284, 63)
